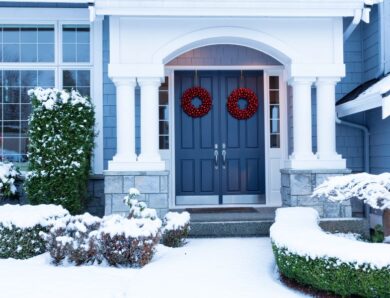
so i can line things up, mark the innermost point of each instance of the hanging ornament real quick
(188, 107)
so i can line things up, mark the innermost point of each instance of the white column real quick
(302, 156)
(326, 123)
(150, 158)
(125, 124)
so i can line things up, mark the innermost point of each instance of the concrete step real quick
(260, 228)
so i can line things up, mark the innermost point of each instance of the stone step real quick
(259, 228)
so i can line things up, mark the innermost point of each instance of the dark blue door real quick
(219, 159)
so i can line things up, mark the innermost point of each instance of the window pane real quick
(45, 78)
(45, 52)
(11, 95)
(83, 53)
(79, 80)
(274, 126)
(11, 35)
(163, 98)
(75, 43)
(274, 112)
(15, 109)
(164, 142)
(164, 128)
(27, 43)
(29, 77)
(11, 52)
(45, 35)
(69, 52)
(275, 141)
(274, 97)
(274, 82)
(29, 35)
(11, 78)
(164, 113)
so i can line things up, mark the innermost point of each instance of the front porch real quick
(315, 61)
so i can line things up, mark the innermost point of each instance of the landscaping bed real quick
(308, 255)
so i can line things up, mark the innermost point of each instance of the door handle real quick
(216, 153)
(224, 155)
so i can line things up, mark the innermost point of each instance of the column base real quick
(298, 186)
(136, 166)
(310, 164)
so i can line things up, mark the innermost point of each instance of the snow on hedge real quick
(372, 189)
(297, 230)
(175, 220)
(28, 216)
(134, 227)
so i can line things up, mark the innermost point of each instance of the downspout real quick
(366, 134)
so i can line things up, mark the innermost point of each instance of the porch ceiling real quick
(238, 8)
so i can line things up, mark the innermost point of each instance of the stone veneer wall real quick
(298, 186)
(153, 187)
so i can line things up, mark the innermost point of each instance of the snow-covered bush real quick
(8, 176)
(129, 242)
(20, 228)
(138, 209)
(61, 139)
(119, 241)
(374, 190)
(176, 227)
(310, 256)
(74, 238)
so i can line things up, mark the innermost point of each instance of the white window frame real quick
(59, 17)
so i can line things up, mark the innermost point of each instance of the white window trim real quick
(58, 17)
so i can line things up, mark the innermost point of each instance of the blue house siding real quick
(379, 141)
(370, 42)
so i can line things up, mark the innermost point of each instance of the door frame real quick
(272, 200)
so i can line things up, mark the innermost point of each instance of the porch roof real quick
(238, 8)
(370, 95)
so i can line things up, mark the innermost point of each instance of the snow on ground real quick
(204, 268)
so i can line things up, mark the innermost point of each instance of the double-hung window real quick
(55, 54)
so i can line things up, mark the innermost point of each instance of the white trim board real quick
(272, 200)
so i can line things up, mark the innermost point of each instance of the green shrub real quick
(21, 228)
(176, 227)
(21, 243)
(61, 136)
(333, 275)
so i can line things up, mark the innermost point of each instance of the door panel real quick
(197, 182)
(239, 178)
(245, 157)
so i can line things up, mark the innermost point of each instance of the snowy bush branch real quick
(372, 189)
(8, 175)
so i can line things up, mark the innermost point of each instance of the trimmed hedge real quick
(339, 265)
(21, 228)
(61, 139)
(21, 243)
(333, 275)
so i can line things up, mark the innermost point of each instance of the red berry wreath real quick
(189, 108)
(249, 96)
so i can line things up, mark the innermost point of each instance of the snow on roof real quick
(373, 96)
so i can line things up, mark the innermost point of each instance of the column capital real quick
(301, 81)
(121, 81)
(327, 80)
(150, 81)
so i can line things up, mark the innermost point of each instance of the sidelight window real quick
(274, 108)
(164, 115)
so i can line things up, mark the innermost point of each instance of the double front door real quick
(218, 158)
